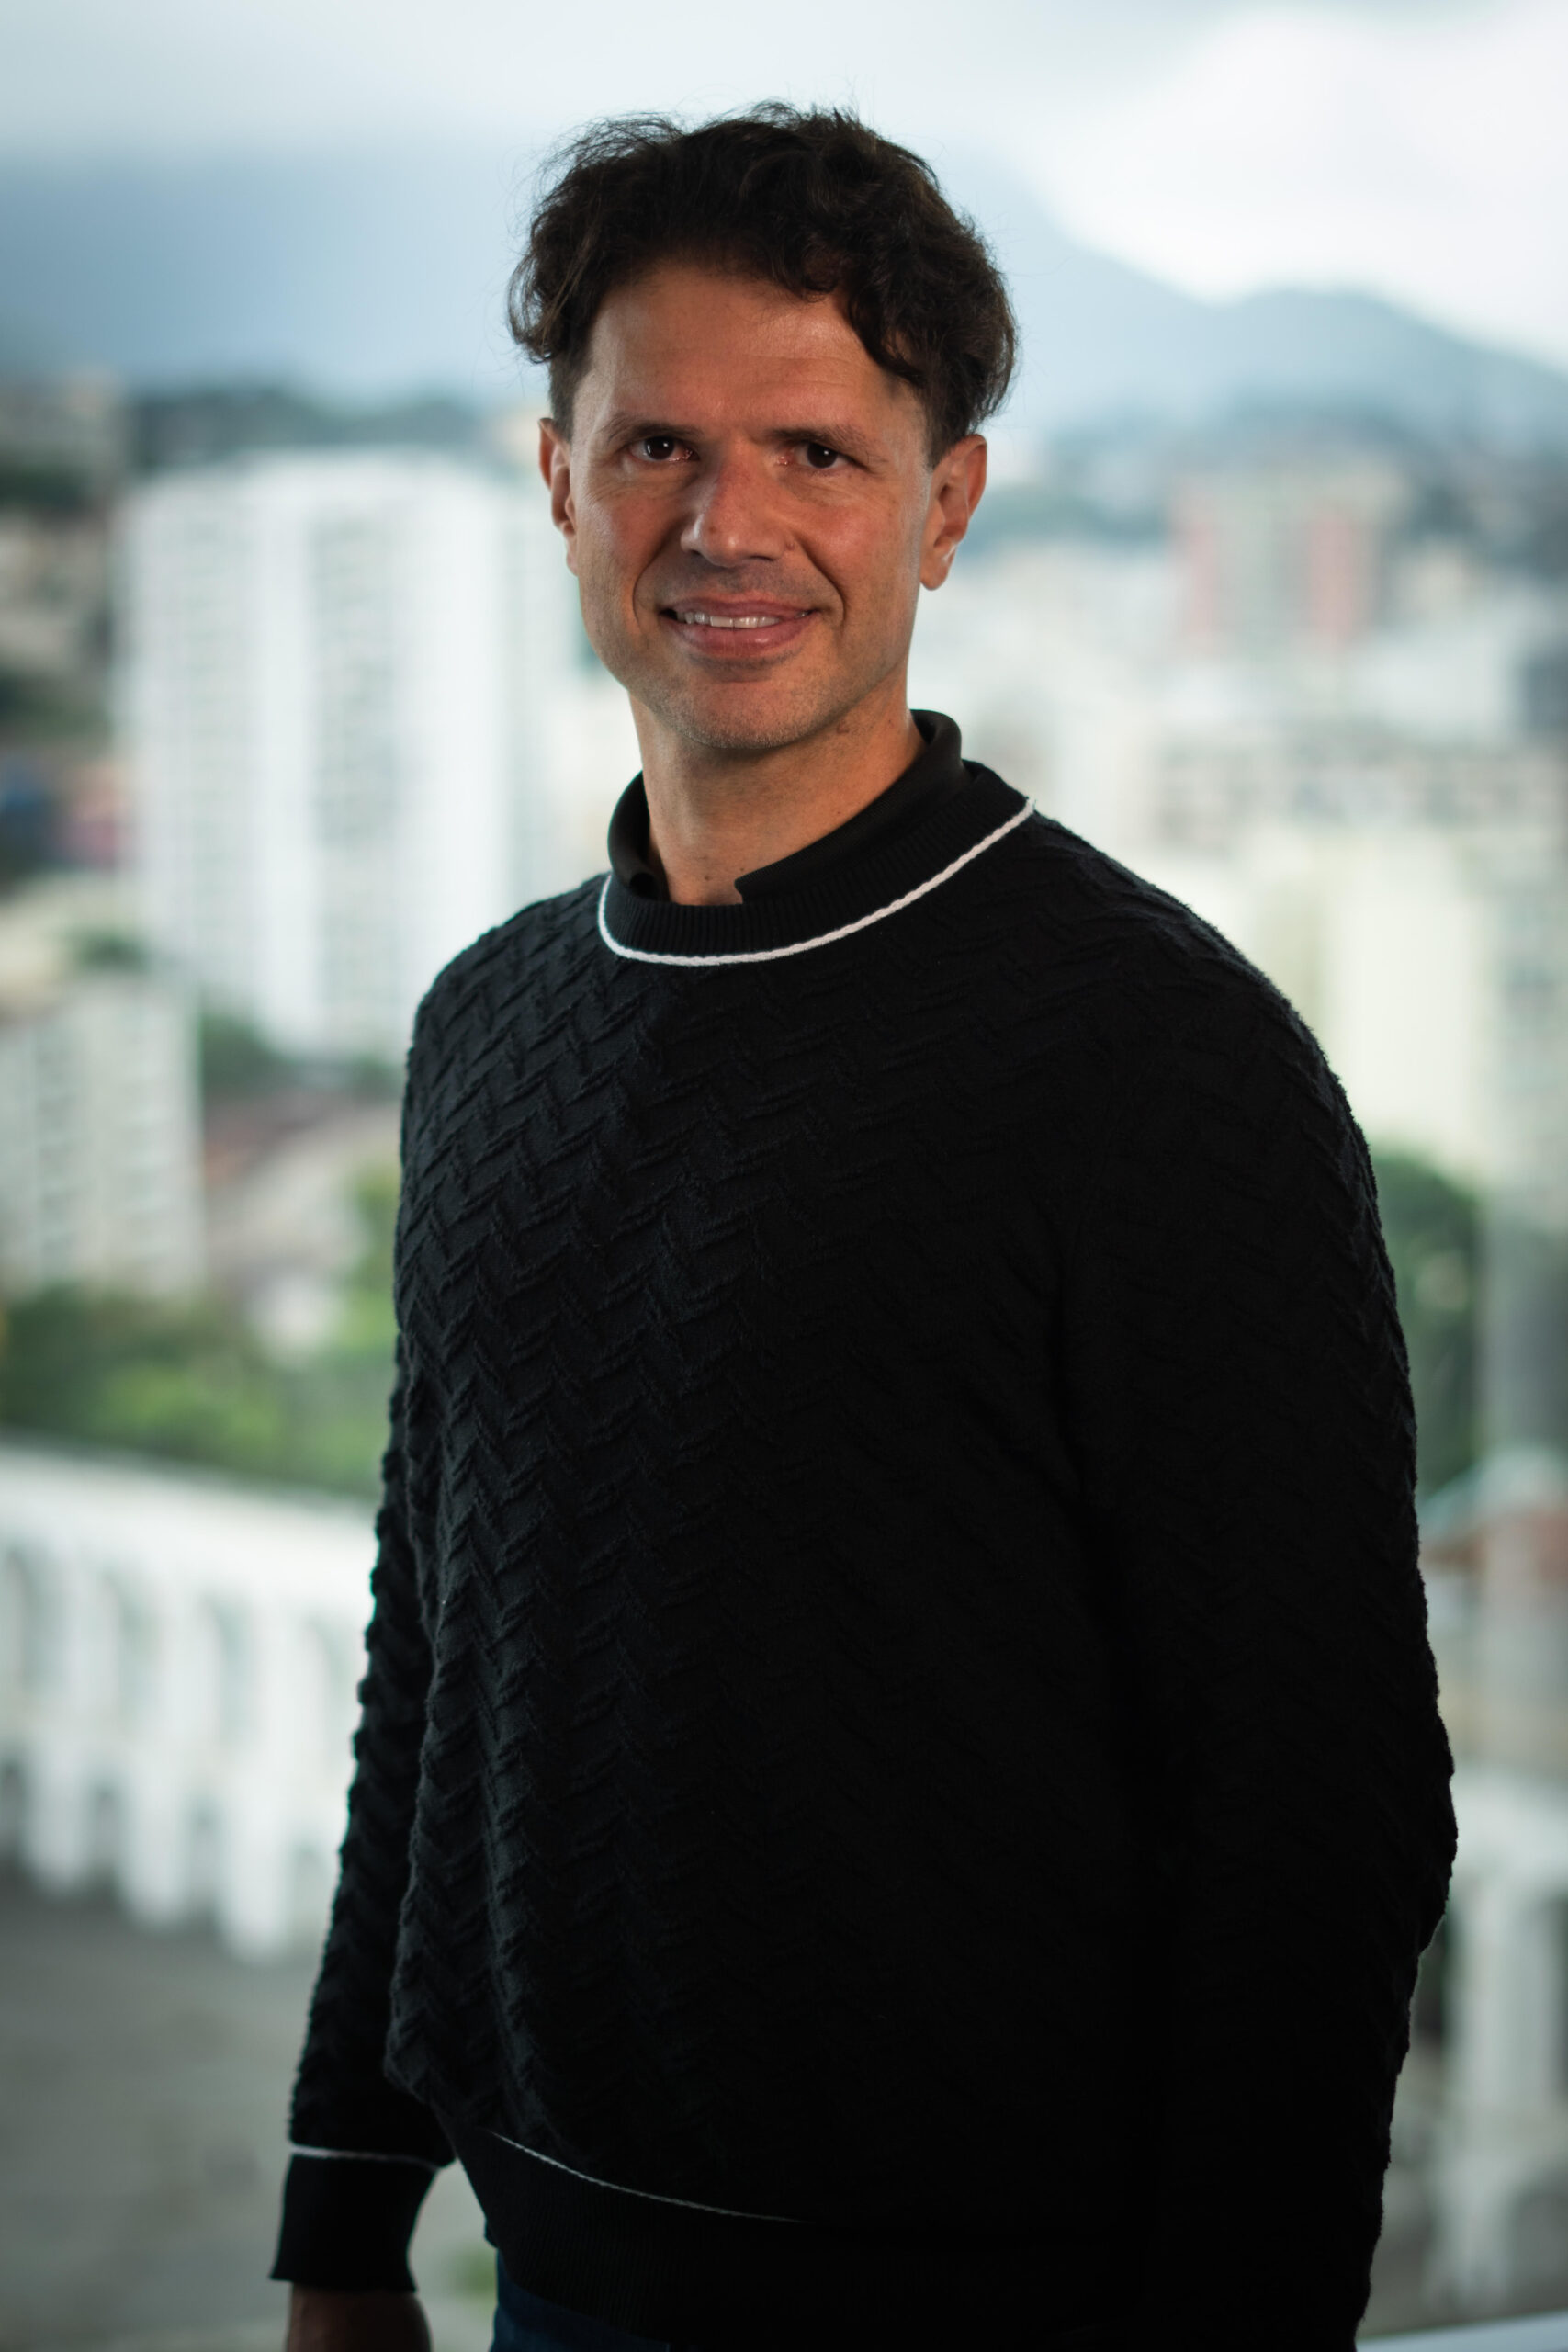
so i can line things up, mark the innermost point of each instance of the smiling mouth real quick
(696, 617)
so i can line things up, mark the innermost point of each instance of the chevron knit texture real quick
(898, 1694)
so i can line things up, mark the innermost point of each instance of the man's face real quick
(749, 507)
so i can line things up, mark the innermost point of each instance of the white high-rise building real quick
(100, 1136)
(340, 676)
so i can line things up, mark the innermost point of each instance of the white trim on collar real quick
(824, 938)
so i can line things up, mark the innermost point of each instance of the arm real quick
(1235, 1381)
(322, 2321)
(365, 2152)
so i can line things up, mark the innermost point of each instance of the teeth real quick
(721, 620)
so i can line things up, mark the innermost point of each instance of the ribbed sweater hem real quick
(728, 2282)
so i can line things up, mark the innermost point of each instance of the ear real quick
(958, 484)
(555, 465)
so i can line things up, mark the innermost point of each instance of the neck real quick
(714, 815)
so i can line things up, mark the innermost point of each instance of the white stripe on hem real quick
(363, 2157)
(687, 2204)
(801, 947)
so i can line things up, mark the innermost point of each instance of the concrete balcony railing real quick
(179, 1666)
(1545, 2333)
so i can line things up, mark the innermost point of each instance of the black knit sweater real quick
(899, 1757)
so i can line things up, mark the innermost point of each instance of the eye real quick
(660, 446)
(819, 457)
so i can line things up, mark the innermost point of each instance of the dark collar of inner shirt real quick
(937, 775)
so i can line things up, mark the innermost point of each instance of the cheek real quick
(612, 553)
(880, 543)
(598, 570)
(882, 570)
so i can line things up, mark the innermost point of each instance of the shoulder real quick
(481, 988)
(1190, 1051)
(1144, 977)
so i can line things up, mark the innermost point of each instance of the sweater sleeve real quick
(366, 2152)
(1237, 1389)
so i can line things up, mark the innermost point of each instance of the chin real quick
(747, 721)
(735, 735)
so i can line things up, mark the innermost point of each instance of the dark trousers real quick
(525, 2323)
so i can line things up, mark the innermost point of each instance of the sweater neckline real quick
(936, 774)
(823, 906)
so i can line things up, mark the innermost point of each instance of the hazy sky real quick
(1416, 147)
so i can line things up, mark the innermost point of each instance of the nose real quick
(734, 514)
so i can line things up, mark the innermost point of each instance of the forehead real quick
(689, 344)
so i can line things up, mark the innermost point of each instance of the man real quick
(900, 1791)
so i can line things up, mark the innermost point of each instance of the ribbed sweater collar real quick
(901, 846)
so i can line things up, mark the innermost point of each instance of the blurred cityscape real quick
(295, 700)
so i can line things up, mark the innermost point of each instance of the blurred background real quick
(1268, 597)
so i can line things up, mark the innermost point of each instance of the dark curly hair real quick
(813, 201)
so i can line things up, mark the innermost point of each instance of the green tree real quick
(1433, 1230)
(237, 1063)
(188, 1380)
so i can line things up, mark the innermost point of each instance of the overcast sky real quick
(1414, 147)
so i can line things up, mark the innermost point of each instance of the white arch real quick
(178, 1659)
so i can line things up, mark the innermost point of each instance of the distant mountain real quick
(1102, 337)
(377, 276)
(370, 276)
(197, 424)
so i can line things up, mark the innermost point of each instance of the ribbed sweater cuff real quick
(347, 2220)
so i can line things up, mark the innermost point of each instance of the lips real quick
(696, 617)
(738, 630)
